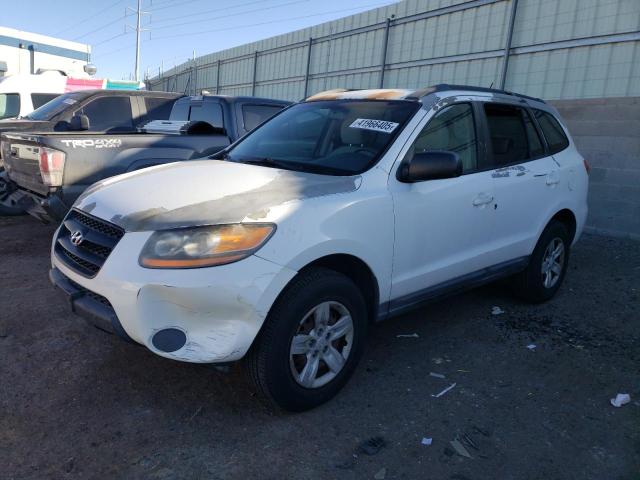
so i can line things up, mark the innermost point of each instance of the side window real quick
(536, 149)
(9, 105)
(552, 131)
(210, 112)
(452, 129)
(39, 99)
(254, 115)
(509, 135)
(109, 114)
(158, 108)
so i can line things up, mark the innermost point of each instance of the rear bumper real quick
(94, 308)
(46, 209)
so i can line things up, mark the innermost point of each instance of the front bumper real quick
(218, 311)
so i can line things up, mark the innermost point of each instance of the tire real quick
(5, 208)
(271, 363)
(533, 285)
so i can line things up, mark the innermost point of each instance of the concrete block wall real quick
(607, 133)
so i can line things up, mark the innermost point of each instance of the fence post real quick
(306, 75)
(507, 48)
(218, 78)
(384, 51)
(255, 71)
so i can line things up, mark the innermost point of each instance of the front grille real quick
(98, 240)
(89, 293)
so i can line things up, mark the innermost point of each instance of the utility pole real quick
(138, 29)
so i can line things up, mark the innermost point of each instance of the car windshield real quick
(339, 137)
(55, 106)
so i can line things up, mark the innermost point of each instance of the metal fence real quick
(546, 48)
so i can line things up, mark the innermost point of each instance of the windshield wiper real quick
(267, 162)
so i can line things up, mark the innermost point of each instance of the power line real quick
(206, 11)
(269, 22)
(209, 19)
(101, 28)
(109, 39)
(173, 4)
(89, 17)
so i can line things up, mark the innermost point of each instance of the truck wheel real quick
(5, 208)
(311, 341)
(547, 267)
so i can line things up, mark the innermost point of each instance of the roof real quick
(405, 94)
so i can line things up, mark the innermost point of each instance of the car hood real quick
(203, 192)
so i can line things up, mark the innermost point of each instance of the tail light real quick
(51, 166)
(587, 167)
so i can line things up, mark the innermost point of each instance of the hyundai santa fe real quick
(344, 209)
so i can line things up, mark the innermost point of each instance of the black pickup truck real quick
(48, 171)
(105, 109)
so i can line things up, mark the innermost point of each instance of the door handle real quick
(482, 199)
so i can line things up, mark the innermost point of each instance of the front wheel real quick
(311, 341)
(547, 267)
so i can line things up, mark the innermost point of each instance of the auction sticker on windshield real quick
(375, 125)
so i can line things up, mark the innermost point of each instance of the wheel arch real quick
(568, 219)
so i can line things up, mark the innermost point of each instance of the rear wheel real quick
(311, 341)
(547, 267)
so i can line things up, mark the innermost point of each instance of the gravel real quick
(78, 403)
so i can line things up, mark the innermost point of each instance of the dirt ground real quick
(78, 403)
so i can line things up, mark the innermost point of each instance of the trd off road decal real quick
(375, 125)
(94, 143)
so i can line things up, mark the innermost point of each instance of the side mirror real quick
(79, 123)
(431, 165)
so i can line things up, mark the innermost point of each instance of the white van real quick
(22, 94)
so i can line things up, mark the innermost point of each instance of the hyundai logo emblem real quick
(76, 238)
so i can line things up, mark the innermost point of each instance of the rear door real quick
(525, 179)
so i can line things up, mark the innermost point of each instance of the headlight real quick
(204, 246)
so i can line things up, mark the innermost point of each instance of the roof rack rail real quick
(445, 86)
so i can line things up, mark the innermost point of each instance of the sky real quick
(175, 28)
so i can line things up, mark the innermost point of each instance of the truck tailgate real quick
(21, 156)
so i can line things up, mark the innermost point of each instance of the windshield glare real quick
(340, 137)
(55, 106)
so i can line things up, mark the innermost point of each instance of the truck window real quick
(552, 131)
(39, 99)
(210, 112)
(9, 105)
(109, 114)
(158, 108)
(254, 115)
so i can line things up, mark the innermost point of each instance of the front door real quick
(442, 227)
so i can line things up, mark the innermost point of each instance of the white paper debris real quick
(444, 391)
(437, 375)
(621, 399)
(407, 335)
(532, 346)
(497, 311)
(382, 473)
(426, 441)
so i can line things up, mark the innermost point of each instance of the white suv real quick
(344, 209)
